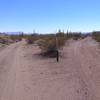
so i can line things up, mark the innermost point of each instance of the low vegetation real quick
(96, 36)
(48, 43)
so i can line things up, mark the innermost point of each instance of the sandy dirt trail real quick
(24, 75)
(7, 71)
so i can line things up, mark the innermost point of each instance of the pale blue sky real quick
(49, 15)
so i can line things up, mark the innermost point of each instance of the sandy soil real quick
(24, 75)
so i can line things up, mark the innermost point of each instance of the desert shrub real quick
(3, 41)
(52, 43)
(51, 51)
(96, 36)
(31, 38)
(61, 39)
(15, 37)
(30, 41)
(74, 35)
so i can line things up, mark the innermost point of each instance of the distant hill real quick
(14, 32)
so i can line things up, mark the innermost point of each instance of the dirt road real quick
(24, 75)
